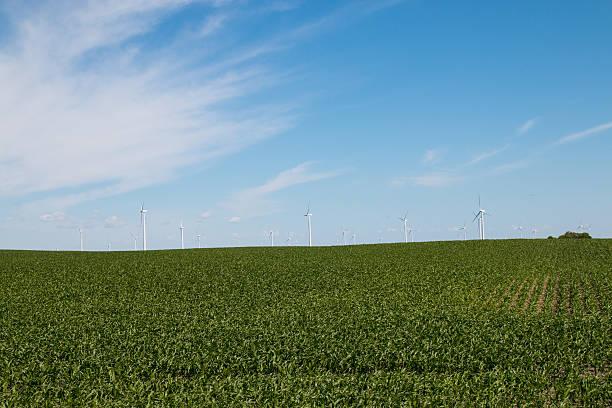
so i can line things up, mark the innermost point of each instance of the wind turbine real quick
(198, 236)
(81, 238)
(344, 231)
(519, 228)
(534, 231)
(480, 216)
(134, 238)
(308, 215)
(411, 231)
(404, 219)
(271, 235)
(464, 229)
(182, 228)
(143, 218)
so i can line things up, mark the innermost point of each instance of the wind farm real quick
(349, 203)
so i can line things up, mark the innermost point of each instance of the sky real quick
(234, 116)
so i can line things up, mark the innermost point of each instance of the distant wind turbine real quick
(143, 217)
(271, 235)
(480, 216)
(344, 231)
(411, 231)
(462, 228)
(134, 238)
(198, 236)
(404, 219)
(534, 231)
(182, 228)
(308, 215)
(81, 238)
(520, 229)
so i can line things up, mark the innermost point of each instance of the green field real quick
(497, 323)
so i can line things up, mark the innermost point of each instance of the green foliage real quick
(575, 235)
(491, 323)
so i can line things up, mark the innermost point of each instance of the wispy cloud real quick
(581, 135)
(526, 126)
(56, 216)
(486, 155)
(254, 201)
(206, 214)
(429, 180)
(431, 156)
(111, 116)
(510, 167)
(234, 219)
(113, 222)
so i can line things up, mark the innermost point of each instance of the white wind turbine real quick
(480, 216)
(198, 236)
(182, 228)
(344, 231)
(271, 235)
(534, 231)
(462, 228)
(404, 219)
(520, 229)
(143, 218)
(134, 238)
(81, 238)
(308, 215)
(411, 231)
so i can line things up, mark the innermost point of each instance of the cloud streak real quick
(486, 155)
(254, 201)
(527, 126)
(585, 133)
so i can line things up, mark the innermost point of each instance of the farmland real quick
(508, 323)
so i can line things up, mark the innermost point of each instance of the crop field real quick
(495, 323)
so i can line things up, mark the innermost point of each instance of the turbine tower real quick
(480, 216)
(404, 219)
(134, 238)
(271, 235)
(198, 239)
(534, 231)
(143, 218)
(308, 215)
(81, 238)
(182, 228)
(464, 229)
(411, 231)
(520, 229)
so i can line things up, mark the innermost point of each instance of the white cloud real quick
(428, 180)
(56, 216)
(580, 135)
(510, 167)
(111, 117)
(113, 222)
(253, 201)
(206, 214)
(431, 157)
(526, 126)
(234, 219)
(486, 155)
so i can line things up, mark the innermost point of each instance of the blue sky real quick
(233, 115)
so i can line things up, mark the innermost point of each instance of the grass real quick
(427, 324)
